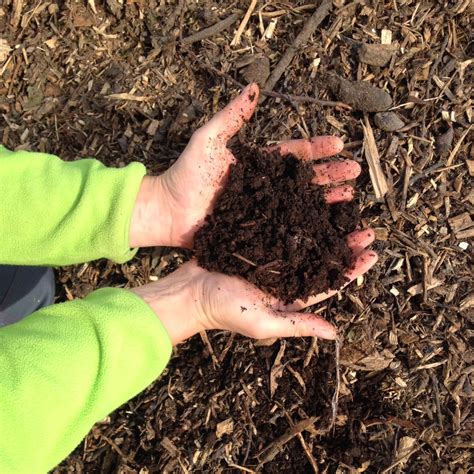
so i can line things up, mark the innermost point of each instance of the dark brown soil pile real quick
(272, 226)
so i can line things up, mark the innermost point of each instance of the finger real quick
(291, 324)
(339, 194)
(336, 172)
(312, 149)
(362, 264)
(226, 123)
(358, 240)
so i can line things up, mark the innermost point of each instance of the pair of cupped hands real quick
(171, 207)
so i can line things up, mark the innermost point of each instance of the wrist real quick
(150, 223)
(172, 300)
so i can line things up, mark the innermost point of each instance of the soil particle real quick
(272, 226)
(375, 54)
(388, 121)
(359, 94)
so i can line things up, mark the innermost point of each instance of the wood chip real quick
(461, 222)
(418, 288)
(379, 182)
(277, 369)
(406, 448)
(470, 167)
(373, 362)
(224, 427)
(127, 96)
(4, 50)
(17, 9)
(467, 302)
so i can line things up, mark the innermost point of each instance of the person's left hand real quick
(171, 207)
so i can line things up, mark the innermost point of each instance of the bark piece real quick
(375, 54)
(388, 121)
(359, 94)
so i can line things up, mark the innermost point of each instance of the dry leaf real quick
(405, 450)
(373, 362)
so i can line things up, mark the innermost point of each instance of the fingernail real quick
(252, 90)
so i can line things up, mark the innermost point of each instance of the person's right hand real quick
(192, 299)
(171, 207)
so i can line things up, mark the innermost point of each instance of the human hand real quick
(192, 299)
(171, 207)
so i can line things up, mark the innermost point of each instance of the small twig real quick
(278, 95)
(242, 468)
(439, 414)
(308, 453)
(212, 30)
(457, 146)
(309, 28)
(208, 344)
(246, 260)
(269, 452)
(335, 397)
(114, 446)
(242, 25)
(377, 176)
(398, 461)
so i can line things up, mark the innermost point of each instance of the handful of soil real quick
(272, 226)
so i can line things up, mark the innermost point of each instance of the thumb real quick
(292, 324)
(226, 123)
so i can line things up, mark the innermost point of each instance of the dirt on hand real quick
(272, 226)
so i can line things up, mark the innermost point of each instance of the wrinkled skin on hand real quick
(192, 299)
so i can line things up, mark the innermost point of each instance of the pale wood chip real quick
(469, 163)
(418, 288)
(377, 176)
(224, 427)
(127, 96)
(4, 50)
(277, 369)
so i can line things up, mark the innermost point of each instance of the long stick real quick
(309, 28)
(212, 30)
(288, 97)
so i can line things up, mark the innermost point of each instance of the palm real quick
(193, 184)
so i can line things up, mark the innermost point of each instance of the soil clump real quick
(272, 226)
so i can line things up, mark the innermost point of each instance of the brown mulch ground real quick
(120, 84)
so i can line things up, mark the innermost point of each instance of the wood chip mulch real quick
(124, 81)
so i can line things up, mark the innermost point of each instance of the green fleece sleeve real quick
(66, 367)
(54, 212)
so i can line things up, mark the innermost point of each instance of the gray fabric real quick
(23, 290)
